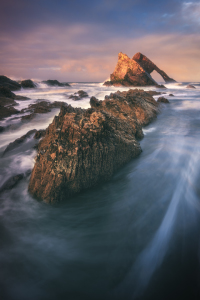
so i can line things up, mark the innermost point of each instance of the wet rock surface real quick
(41, 107)
(7, 101)
(163, 100)
(19, 141)
(55, 83)
(78, 95)
(11, 182)
(135, 72)
(160, 86)
(7, 111)
(84, 147)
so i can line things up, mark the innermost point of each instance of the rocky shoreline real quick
(83, 147)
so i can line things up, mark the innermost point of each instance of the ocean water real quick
(134, 237)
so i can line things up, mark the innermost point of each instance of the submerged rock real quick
(78, 95)
(19, 141)
(55, 83)
(28, 84)
(160, 86)
(84, 147)
(11, 84)
(11, 182)
(135, 72)
(40, 107)
(190, 86)
(163, 99)
(21, 98)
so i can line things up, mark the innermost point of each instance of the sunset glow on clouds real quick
(71, 42)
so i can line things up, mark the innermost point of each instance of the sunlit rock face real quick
(135, 71)
(84, 147)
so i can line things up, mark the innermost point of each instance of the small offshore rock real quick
(190, 86)
(171, 95)
(160, 86)
(28, 83)
(163, 100)
(78, 95)
(51, 82)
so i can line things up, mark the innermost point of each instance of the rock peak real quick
(135, 71)
(122, 56)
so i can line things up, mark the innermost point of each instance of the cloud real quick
(84, 53)
(191, 13)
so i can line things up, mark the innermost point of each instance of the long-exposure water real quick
(134, 237)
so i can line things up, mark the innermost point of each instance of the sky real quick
(79, 40)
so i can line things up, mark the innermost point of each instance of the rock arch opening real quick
(157, 77)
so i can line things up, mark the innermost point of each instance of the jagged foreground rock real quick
(84, 147)
(135, 71)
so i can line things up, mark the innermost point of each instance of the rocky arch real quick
(149, 66)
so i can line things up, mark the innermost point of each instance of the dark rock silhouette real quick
(149, 66)
(163, 100)
(6, 92)
(55, 83)
(190, 86)
(11, 84)
(11, 182)
(41, 107)
(78, 95)
(135, 72)
(84, 147)
(7, 101)
(7, 111)
(19, 141)
(28, 84)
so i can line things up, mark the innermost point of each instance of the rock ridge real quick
(83, 147)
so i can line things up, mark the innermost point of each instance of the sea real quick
(136, 236)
